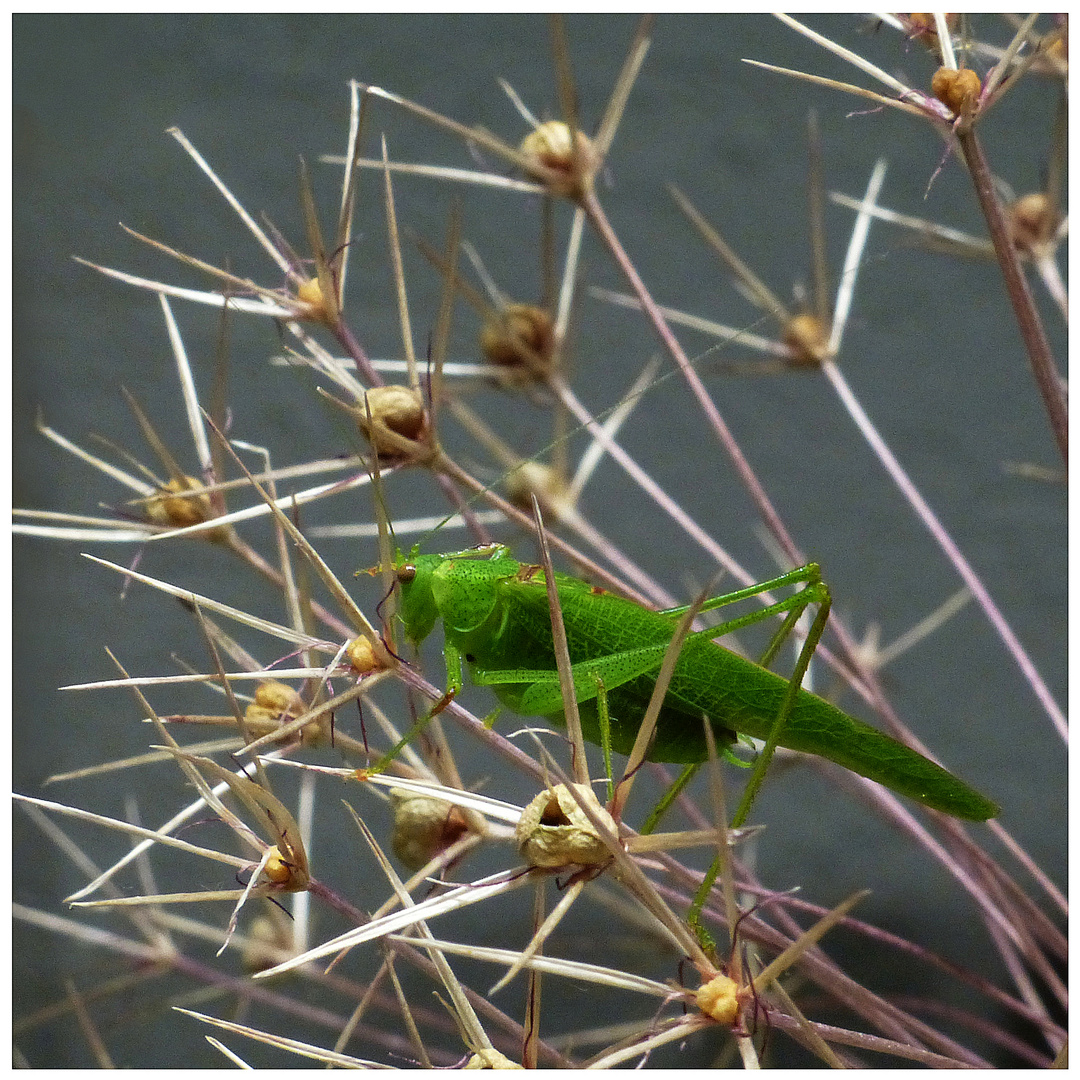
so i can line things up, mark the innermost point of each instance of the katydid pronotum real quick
(496, 616)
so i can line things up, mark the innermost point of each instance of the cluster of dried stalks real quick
(319, 711)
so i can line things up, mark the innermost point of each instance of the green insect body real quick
(495, 614)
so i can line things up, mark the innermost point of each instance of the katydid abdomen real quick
(495, 614)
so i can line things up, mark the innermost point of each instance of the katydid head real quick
(418, 610)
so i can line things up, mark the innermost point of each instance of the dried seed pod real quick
(719, 999)
(310, 294)
(808, 337)
(550, 147)
(553, 830)
(535, 478)
(361, 655)
(491, 1059)
(922, 25)
(398, 423)
(424, 827)
(519, 336)
(277, 698)
(278, 870)
(1033, 221)
(176, 510)
(276, 703)
(957, 89)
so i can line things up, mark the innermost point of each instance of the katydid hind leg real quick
(810, 575)
(787, 706)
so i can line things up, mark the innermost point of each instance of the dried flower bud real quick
(277, 703)
(361, 654)
(397, 423)
(424, 827)
(172, 508)
(310, 294)
(923, 25)
(277, 698)
(957, 89)
(289, 876)
(719, 999)
(519, 336)
(491, 1059)
(1033, 221)
(808, 337)
(550, 147)
(553, 830)
(535, 478)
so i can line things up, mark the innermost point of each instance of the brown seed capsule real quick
(278, 870)
(535, 478)
(1033, 221)
(519, 336)
(278, 697)
(553, 830)
(957, 89)
(397, 423)
(922, 24)
(361, 655)
(310, 294)
(424, 827)
(276, 703)
(719, 998)
(808, 338)
(550, 147)
(176, 510)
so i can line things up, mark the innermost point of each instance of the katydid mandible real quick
(495, 615)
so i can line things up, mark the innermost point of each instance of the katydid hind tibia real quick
(495, 615)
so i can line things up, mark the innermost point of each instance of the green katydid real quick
(495, 614)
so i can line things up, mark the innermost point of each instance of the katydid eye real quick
(406, 574)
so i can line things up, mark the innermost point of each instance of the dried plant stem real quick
(947, 545)
(1016, 285)
(753, 486)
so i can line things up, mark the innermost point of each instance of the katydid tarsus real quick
(496, 617)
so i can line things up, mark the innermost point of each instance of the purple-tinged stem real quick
(946, 543)
(596, 215)
(1016, 285)
(354, 349)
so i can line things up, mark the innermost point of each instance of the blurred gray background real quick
(931, 350)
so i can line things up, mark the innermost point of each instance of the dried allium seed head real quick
(521, 335)
(424, 827)
(279, 871)
(176, 510)
(550, 147)
(808, 337)
(1033, 221)
(922, 24)
(397, 420)
(553, 830)
(310, 294)
(535, 478)
(361, 654)
(719, 999)
(274, 704)
(957, 89)
(278, 697)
